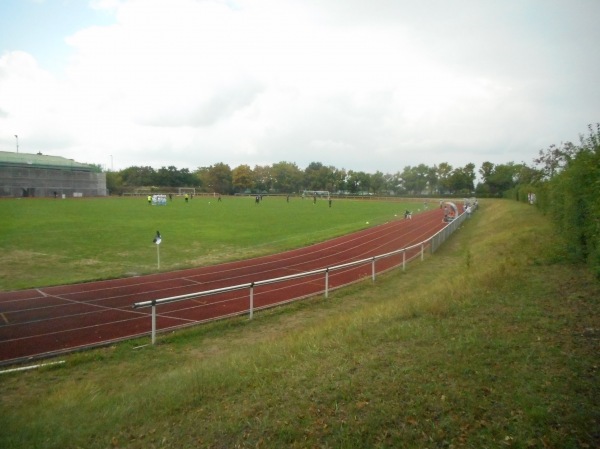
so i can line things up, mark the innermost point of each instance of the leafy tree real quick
(317, 176)
(338, 180)
(462, 179)
(410, 179)
(358, 182)
(392, 182)
(201, 175)
(262, 178)
(173, 177)
(422, 175)
(483, 190)
(138, 176)
(528, 175)
(400, 186)
(114, 183)
(416, 180)
(444, 171)
(378, 182)
(432, 179)
(503, 178)
(486, 170)
(96, 167)
(554, 159)
(219, 178)
(287, 177)
(573, 195)
(185, 178)
(241, 178)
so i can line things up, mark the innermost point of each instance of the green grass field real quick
(491, 342)
(54, 241)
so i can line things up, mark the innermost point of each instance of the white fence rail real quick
(432, 242)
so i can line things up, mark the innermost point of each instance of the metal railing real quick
(433, 242)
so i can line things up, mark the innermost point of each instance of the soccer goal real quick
(320, 193)
(188, 190)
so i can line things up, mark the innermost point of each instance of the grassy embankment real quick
(491, 342)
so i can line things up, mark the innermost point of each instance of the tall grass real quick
(491, 342)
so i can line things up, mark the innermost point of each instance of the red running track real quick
(48, 321)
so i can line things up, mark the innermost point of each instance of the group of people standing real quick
(162, 198)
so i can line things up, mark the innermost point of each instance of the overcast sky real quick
(364, 85)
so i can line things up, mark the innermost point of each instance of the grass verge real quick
(492, 342)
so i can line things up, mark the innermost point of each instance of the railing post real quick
(404, 260)
(251, 300)
(373, 269)
(422, 252)
(327, 282)
(153, 322)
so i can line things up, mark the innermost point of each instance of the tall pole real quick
(17, 137)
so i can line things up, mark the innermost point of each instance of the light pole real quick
(17, 137)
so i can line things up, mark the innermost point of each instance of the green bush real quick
(572, 197)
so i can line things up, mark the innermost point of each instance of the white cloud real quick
(361, 85)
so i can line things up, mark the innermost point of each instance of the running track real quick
(49, 321)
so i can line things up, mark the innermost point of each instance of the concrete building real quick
(37, 175)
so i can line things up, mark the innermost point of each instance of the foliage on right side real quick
(568, 191)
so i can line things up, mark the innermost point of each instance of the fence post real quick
(422, 252)
(153, 322)
(404, 260)
(327, 282)
(251, 300)
(373, 269)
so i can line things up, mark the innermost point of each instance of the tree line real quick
(287, 178)
(564, 181)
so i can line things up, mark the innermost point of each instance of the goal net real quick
(319, 193)
(188, 190)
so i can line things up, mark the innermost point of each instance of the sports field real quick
(490, 343)
(54, 241)
(45, 321)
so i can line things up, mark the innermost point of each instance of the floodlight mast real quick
(17, 137)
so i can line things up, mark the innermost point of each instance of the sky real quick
(369, 86)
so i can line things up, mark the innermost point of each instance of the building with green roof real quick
(38, 175)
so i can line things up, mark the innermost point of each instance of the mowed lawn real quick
(54, 241)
